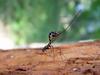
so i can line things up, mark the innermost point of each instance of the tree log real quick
(68, 59)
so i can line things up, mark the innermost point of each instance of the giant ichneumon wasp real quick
(54, 35)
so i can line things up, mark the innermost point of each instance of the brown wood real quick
(67, 59)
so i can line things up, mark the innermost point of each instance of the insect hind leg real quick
(52, 53)
(61, 54)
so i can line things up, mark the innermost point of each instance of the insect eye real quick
(53, 35)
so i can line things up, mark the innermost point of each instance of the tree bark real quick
(68, 59)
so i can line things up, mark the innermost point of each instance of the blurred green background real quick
(29, 21)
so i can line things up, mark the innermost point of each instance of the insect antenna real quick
(76, 16)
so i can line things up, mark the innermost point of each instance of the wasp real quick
(54, 35)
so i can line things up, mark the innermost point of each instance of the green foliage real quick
(32, 20)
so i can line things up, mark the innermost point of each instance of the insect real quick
(54, 35)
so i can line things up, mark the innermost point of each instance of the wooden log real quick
(68, 59)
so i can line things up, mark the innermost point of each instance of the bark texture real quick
(68, 59)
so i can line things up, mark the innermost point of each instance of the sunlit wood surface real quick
(68, 59)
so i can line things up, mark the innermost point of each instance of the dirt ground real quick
(68, 59)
